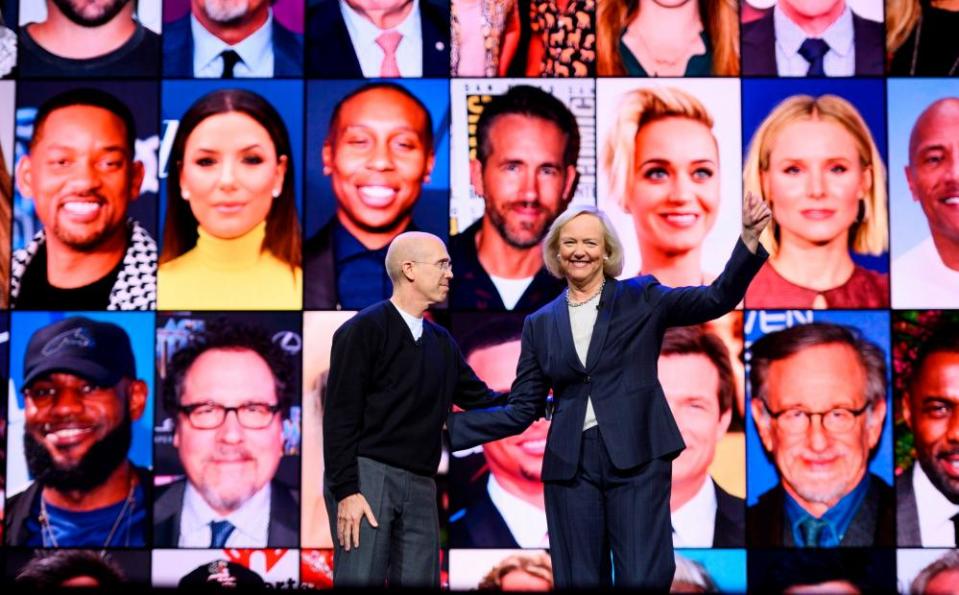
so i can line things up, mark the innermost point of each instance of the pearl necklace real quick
(573, 304)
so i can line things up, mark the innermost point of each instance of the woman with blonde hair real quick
(814, 161)
(661, 160)
(667, 38)
(921, 37)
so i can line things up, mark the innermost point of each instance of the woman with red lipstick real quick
(813, 160)
(662, 163)
(232, 235)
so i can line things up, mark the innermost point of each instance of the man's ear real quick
(723, 426)
(138, 172)
(430, 162)
(877, 418)
(476, 177)
(763, 423)
(327, 156)
(572, 177)
(137, 393)
(911, 182)
(24, 176)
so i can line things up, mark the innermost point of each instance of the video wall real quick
(196, 195)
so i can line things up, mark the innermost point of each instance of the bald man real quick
(393, 377)
(927, 276)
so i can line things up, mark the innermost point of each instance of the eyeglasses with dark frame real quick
(209, 415)
(444, 265)
(795, 420)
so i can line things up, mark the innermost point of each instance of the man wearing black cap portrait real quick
(81, 396)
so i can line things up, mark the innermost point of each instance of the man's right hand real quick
(349, 513)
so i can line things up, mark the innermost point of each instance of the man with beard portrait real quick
(81, 396)
(928, 492)
(81, 175)
(88, 38)
(525, 170)
(228, 391)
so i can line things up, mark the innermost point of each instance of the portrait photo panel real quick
(24, 325)
(140, 97)
(96, 440)
(318, 329)
(47, 570)
(210, 464)
(923, 123)
(468, 96)
(831, 369)
(383, 169)
(286, 97)
(240, 569)
(815, 152)
(925, 351)
(681, 200)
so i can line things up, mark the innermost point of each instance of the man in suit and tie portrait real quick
(812, 38)
(697, 377)
(378, 38)
(503, 508)
(228, 391)
(378, 154)
(927, 493)
(231, 39)
(819, 403)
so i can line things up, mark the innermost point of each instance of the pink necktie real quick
(389, 41)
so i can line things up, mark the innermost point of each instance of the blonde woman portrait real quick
(667, 38)
(661, 161)
(815, 163)
(921, 37)
(484, 35)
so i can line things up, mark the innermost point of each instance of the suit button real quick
(588, 379)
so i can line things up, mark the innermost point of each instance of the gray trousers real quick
(404, 550)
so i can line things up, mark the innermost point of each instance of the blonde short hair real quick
(636, 109)
(612, 266)
(870, 236)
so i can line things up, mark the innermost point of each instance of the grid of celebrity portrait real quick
(196, 194)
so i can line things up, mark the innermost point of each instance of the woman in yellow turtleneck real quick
(232, 236)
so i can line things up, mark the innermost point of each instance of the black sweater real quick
(388, 396)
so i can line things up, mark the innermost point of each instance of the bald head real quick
(940, 112)
(411, 246)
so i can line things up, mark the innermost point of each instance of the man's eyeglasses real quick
(443, 265)
(836, 420)
(209, 416)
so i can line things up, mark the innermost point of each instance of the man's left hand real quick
(756, 216)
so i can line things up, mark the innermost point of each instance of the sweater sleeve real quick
(471, 392)
(350, 369)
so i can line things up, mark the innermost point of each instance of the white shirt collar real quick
(415, 324)
(935, 511)
(526, 521)
(252, 520)
(695, 522)
(364, 32)
(253, 50)
(839, 35)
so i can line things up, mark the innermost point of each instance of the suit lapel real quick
(601, 327)
(565, 333)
